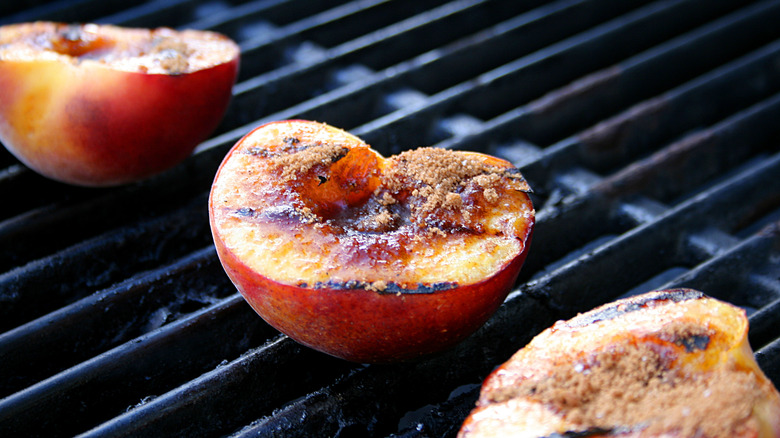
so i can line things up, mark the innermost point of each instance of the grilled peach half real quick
(672, 363)
(100, 105)
(367, 258)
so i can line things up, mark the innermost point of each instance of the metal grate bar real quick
(370, 401)
(274, 49)
(231, 395)
(638, 128)
(590, 213)
(768, 359)
(365, 98)
(246, 21)
(105, 384)
(725, 205)
(109, 317)
(36, 233)
(531, 76)
(61, 10)
(53, 281)
(164, 13)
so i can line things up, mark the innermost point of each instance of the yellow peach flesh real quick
(726, 357)
(316, 254)
(102, 105)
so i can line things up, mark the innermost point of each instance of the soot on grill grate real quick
(646, 128)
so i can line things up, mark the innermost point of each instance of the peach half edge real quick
(101, 105)
(362, 257)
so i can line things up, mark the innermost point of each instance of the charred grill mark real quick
(257, 151)
(388, 288)
(291, 141)
(286, 215)
(616, 310)
(694, 342)
(522, 184)
(343, 153)
(595, 431)
(291, 145)
(244, 212)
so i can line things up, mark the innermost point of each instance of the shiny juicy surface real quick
(154, 51)
(308, 204)
(641, 367)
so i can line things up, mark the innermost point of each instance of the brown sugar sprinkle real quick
(632, 385)
(490, 195)
(172, 54)
(387, 199)
(307, 216)
(414, 187)
(439, 175)
(302, 160)
(384, 218)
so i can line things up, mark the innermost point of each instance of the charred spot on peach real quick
(312, 210)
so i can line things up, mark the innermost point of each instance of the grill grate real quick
(646, 128)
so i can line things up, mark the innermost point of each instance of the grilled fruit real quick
(100, 105)
(367, 258)
(671, 363)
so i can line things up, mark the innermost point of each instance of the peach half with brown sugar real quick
(367, 258)
(101, 105)
(673, 363)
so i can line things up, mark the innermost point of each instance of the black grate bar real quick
(768, 359)
(689, 161)
(47, 283)
(366, 95)
(231, 395)
(249, 20)
(320, 31)
(106, 385)
(36, 233)
(531, 76)
(638, 128)
(726, 205)
(370, 401)
(62, 10)
(675, 111)
(13, 174)
(597, 96)
(764, 322)
(294, 83)
(109, 317)
(159, 13)
(731, 274)
(591, 213)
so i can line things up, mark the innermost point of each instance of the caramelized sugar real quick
(77, 41)
(422, 217)
(672, 368)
